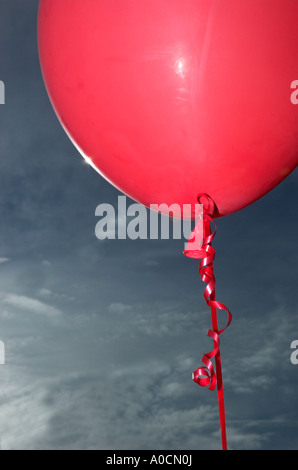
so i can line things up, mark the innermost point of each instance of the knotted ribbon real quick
(199, 247)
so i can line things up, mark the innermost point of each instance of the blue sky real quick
(102, 337)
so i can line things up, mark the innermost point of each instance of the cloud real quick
(22, 302)
(83, 411)
(157, 318)
(119, 308)
(43, 292)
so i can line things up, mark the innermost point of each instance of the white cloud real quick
(45, 292)
(29, 304)
(119, 308)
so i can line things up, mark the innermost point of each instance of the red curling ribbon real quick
(199, 247)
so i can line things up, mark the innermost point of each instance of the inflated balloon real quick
(175, 101)
(173, 98)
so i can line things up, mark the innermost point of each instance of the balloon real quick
(171, 98)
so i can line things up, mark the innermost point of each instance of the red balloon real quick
(168, 99)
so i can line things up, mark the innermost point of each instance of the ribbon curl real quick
(199, 247)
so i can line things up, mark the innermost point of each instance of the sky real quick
(101, 336)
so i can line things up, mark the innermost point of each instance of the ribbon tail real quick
(202, 249)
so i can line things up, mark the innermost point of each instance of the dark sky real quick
(102, 337)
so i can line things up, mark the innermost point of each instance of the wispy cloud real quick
(22, 302)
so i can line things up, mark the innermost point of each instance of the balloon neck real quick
(207, 203)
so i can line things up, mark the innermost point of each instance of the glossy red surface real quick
(171, 98)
